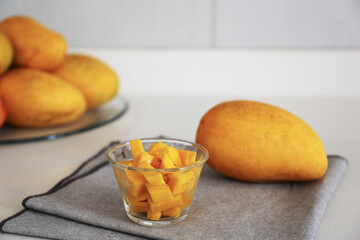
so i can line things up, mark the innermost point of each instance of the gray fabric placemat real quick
(88, 205)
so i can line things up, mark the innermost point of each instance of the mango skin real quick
(38, 99)
(3, 113)
(96, 80)
(257, 142)
(6, 53)
(35, 46)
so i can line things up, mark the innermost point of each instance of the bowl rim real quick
(114, 163)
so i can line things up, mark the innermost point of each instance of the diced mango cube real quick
(179, 198)
(120, 174)
(187, 197)
(160, 193)
(136, 189)
(169, 152)
(136, 184)
(127, 163)
(153, 215)
(156, 162)
(139, 207)
(182, 182)
(156, 147)
(187, 157)
(172, 212)
(134, 177)
(145, 164)
(136, 147)
(143, 157)
(170, 157)
(166, 178)
(141, 197)
(175, 156)
(165, 205)
(137, 150)
(166, 161)
(152, 178)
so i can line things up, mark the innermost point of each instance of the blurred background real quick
(242, 47)
(200, 23)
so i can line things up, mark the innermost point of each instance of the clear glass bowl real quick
(156, 197)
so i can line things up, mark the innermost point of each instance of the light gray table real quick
(27, 169)
(170, 89)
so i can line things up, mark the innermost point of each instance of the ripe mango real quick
(35, 46)
(96, 80)
(6, 53)
(37, 99)
(258, 142)
(3, 113)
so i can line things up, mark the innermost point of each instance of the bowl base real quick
(159, 223)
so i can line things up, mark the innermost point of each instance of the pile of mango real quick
(41, 84)
(158, 194)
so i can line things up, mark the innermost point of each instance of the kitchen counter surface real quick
(32, 168)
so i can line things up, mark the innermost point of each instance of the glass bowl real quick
(156, 197)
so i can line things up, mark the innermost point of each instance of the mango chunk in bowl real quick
(157, 178)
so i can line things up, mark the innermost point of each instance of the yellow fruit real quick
(97, 81)
(258, 142)
(6, 52)
(35, 46)
(37, 99)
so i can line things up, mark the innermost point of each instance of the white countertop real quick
(32, 168)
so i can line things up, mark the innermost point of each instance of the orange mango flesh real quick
(156, 147)
(139, 207)
(154, 193)
(172, 212)
(174, 155)
(156, 162)
(187, 157)
(153, 215)
(136, 149)
(181, 183)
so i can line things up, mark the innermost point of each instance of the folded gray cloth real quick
(88, 205)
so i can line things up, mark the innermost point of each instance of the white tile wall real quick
(197, 23)
(122, 23)
(288, 23)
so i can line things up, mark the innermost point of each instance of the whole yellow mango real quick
(38, 99)
(96, 80)
(258, 142)
(6, 53)
(35, 46)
